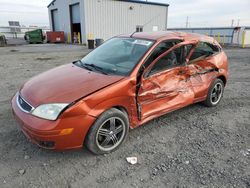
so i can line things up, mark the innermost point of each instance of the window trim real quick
(145, 75)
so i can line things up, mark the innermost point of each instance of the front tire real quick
(108, 132)
(215, 93)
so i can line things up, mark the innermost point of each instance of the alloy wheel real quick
(110, 133)
(216, 93)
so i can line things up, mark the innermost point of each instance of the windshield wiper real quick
(100, 69)
(81, 64)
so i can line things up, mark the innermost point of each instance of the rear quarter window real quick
(204, 49)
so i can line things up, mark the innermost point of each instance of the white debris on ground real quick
(21, 171)
(132, 160)
(245, 153)
(26, 157)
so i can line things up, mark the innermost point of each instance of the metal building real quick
(224, 35)
(106, 18)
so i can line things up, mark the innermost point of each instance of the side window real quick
(174, 58)
(202, 50)
(160, 49)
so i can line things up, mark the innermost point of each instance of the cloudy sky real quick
(200, 12)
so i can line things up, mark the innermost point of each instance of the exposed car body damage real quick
(180, 86)
(172, 71)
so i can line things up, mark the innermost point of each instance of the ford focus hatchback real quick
(122, 84)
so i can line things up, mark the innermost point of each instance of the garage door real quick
(75, 13)
(55, 20)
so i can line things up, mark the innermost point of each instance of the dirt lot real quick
(192, 147)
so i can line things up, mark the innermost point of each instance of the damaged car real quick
(122, 84)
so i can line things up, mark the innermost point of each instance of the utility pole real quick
(232, 24)
(187, 22)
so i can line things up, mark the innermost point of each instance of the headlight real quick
(49, 111)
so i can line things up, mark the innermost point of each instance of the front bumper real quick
(64, 133)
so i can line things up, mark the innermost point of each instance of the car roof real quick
(166, 35)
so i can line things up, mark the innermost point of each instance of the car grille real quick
(23, 105)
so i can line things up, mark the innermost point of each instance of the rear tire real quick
(215, 93)
(108, 132)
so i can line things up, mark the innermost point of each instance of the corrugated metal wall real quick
(64, 15)
(107, 18)
(223, 34)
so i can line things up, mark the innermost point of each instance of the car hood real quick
(64, 84)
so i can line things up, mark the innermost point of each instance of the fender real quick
(125, 102)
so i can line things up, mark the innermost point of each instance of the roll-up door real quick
(75, 13)
(55, 20)
(75, 20)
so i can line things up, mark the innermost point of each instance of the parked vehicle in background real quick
(122, 84)
(35, 36)
(3, 40)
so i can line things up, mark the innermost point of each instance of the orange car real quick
(125, 82)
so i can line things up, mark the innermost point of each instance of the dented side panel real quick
(165, 92)
(204, 72)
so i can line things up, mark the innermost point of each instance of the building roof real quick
(132, 1)
(146, 2)
(52, 2)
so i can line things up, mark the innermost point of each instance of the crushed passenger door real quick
(167, 90)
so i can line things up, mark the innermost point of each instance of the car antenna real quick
(132, 34)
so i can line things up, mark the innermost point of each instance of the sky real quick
(200, 13)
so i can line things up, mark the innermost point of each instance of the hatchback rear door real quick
(202, 67)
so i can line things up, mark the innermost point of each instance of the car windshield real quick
(117, 56)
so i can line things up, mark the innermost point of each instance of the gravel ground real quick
(192, 147)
